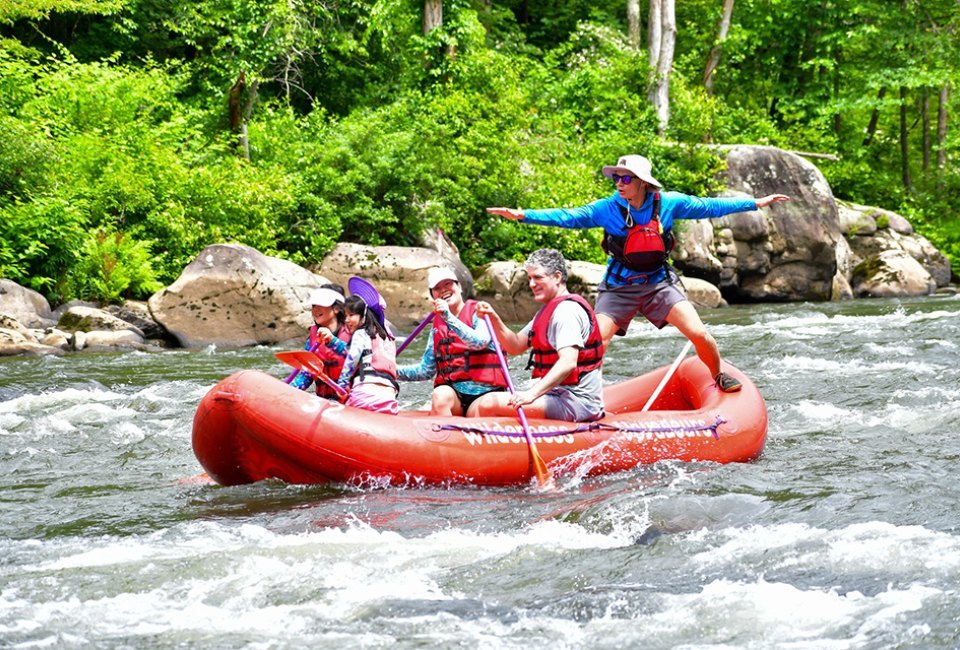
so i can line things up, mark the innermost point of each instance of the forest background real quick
(133, 133)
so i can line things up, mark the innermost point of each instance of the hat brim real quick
(369, 294)
(325, 298)
(610, 170)
(442, 277)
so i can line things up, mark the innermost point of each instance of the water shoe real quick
(728, 384)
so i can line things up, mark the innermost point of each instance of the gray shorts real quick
(654, 301)
(562, 405)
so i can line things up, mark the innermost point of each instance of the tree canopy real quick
(135, 132)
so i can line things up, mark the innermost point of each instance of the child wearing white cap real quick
(328, 337)
(637, 221)
(459, 354)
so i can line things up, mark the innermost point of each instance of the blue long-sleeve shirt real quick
(475, 338)
(605, 213)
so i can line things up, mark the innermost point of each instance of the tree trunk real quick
(660, 89)
(432, 15)
(240, 101)
(633, 23)
(837, 116)
(942, 127)
(925, 121)
(713, 59)
(653, 39)
(874, 118)
(904, 145)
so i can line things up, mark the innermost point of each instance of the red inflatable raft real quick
(252, 426)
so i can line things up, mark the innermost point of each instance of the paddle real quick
(540, 468)
(413, 334)
(310, 362)
(666, 377)
(296, 370)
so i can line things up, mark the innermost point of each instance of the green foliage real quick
(26, 157)
(131, 159)
(114, 137)
(13, 10)
(111, 266)
(41, 238)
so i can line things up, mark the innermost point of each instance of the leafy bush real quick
(41, 238)
(367, 130)
(111, 266)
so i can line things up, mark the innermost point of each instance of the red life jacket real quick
(644, 248)
(457, 362)
(543, 357)
(379, 361)
(332, 362)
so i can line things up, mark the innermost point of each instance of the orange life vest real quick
(543, 357)
(457, 362)
(332, 362)
(644, 248)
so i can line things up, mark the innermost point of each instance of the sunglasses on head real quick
(626, 179)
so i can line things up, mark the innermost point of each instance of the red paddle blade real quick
(303, 360)
(309, 362)
(544, 477)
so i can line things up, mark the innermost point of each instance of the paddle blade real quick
(309, 362)
(301, 360)
(544, 477)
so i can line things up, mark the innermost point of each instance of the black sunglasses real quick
(626, 178)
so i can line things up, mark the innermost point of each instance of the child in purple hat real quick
(370, 367)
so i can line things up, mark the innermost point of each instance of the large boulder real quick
(702, 294)
(399, 273)
(89, 319)
(786, 251)
(108, 341)
(233, 295)
(506, 287)
(27, 306)
(804, 249)
(871, 231)
(138, 314)
(15, 339)
(889, 274)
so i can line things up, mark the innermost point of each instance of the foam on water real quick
(249, 580)
(56, 400)
(842, 535)
(897, 551)
(857, 367)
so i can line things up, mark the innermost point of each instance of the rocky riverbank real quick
(813, 248)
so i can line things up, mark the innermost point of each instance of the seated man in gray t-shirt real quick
(567, 349)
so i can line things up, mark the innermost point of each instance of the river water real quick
(844, 534)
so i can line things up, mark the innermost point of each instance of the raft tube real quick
(252, 426)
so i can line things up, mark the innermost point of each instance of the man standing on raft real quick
(637, 222)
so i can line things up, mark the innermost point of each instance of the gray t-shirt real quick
(570, 327)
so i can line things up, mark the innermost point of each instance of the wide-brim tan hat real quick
(637, 165)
